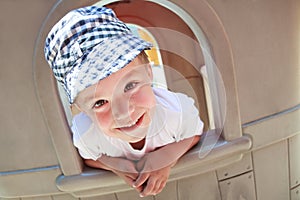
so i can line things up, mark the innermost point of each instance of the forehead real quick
(108, 84)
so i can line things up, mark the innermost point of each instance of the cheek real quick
(104, 120)
(144, 98)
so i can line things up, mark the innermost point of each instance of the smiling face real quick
(121, 104)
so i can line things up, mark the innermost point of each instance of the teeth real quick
(130, 125)
(133, 123)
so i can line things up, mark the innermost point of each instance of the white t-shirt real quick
(175, 118)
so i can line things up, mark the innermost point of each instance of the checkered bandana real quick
(87, 45)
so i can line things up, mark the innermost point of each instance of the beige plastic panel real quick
(29, 183)
(64, 197)
(240, 167)
(295, 193)
(10, 198)
(274, 129)
(240, 188)
(132, 195)
(169, 192)
(25, 141)
(215, 32)
(38, 198)
(264, 36)
(199, 187)
(104, 197)
(294, 158)
(271, 172)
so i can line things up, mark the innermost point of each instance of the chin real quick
(134, 140)
(135, 135)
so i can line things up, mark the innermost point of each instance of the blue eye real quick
(100, 103)
(130, 86)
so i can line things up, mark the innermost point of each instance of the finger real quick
(132, 173)
(128, 180)
(161, 187)
(139, 189)
(133, 176)
(157, 188)
(141, 179)
(150, 187)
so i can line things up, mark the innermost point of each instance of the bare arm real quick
(155, 167)
(122, 167)
(108, 163)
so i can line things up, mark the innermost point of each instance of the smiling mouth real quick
(133, 126)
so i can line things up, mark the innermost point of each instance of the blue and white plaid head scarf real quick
(87, 45)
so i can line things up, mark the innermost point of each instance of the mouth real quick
(132, 126)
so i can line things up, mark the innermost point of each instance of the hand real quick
(122, 167)
(153, 175)
(127, 171)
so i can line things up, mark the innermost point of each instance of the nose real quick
(122, 108)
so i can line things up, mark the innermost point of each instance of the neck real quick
(138, 145)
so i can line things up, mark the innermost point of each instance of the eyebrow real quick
(88, 100)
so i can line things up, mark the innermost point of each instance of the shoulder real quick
(175, 101)
(84, 130)
(181, 117)
(81, 124)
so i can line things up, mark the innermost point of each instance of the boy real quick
(125, 125)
